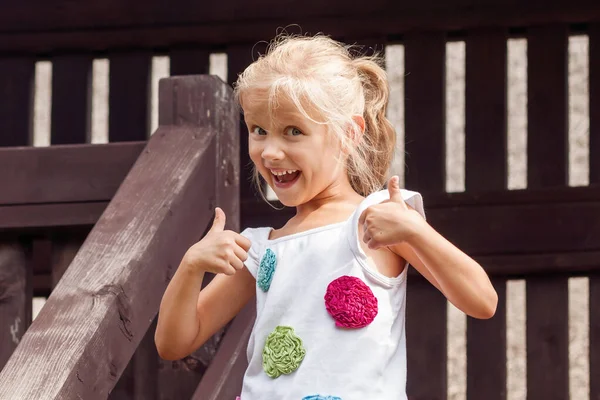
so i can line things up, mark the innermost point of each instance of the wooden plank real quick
(223, 379)
(486, 111)
(594, 279)
(426, 342)
(100, 25)
(594, 355)
(547, 107)
(547, 155)
(486, 169)
(139, 380)
(16, 109)
(64, 248)
(425, 112)
(238, 58)
(425, 60)
(189, 61)
(15, 297)
(99, 317)
(129, 96)
(29, 218)
(67, 173)
(594, 106)
(71, 99)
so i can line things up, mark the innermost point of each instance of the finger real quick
(366, 237)
(243, 242)
(363, 215)
(219, 221)
(394, 189)
(236, 263)
(240, 253)
(229, 270)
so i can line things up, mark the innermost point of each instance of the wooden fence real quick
(53, 196)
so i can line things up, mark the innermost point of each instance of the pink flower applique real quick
(350, 302)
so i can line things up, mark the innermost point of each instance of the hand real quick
(390, 222)
(220, 251)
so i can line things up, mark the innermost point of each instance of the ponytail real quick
(368, 168)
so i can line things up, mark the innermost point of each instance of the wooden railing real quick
(102, 307)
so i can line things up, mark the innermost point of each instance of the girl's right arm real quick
(188, 317)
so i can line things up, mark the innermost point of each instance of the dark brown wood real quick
(64, 248)
(486, 111)
(547, 155)
(425, 112)
(71, 99)
(139, 381)
(547, 338)
(178, 379)
(594, 279)
(594, 88)
(129, 95)
(426, 335)
(16, 91)
(594, 355)
(547, 107)
(238, 58)
(33, 27)
(486, 169)
(189, 61)
(15, 297)
(133, 250)
(425, 59)
(223, 379)
(33, 217)
(71, 173)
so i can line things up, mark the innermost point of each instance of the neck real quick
(339, 197)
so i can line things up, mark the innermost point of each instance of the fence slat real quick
(16, 89)
(15, 297)
(425, 171)
(189, 62)
(485, 169)
(238, 58)
(594, 308)
(71, 99)
(129, 95)
(425, 113)
(547, 297)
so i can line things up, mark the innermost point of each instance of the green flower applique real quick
(283, 352)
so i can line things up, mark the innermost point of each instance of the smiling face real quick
(298, 157)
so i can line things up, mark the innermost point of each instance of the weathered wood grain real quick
(105, 302)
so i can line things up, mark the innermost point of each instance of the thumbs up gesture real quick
(220, 251)
(390, 222)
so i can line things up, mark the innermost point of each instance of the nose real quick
(273, 151)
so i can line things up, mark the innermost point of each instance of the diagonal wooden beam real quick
(98, 313)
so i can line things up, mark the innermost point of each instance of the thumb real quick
(219, 221)
(394, 189)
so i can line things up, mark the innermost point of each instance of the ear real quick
(356, 130)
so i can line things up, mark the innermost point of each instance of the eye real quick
(293, 131)
(259, 131)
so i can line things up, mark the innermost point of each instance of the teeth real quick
(289, 171)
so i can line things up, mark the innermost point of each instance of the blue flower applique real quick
(319, 397)
(266, 270)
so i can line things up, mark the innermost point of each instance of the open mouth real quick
(285, 178)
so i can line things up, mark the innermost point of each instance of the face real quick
(298, 158)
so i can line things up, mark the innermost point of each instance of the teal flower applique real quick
(319, 397)
(266, 270)
(283, 352)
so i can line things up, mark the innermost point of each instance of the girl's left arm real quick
(460, 278)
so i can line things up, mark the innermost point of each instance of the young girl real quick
(330, 285)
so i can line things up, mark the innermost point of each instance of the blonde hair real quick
(329, 85)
